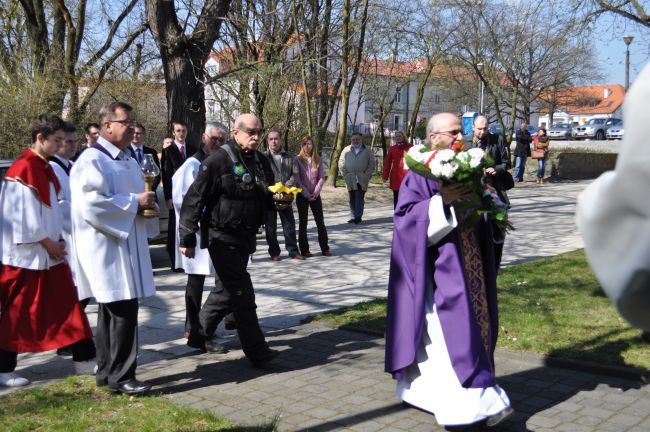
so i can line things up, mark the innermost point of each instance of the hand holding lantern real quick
(150, 171)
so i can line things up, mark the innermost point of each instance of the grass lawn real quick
(76, 404)
(552, 306)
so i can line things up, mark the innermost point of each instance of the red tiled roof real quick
(591, 99)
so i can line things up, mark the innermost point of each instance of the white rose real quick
(445, 155)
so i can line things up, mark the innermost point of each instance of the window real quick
(396, 122)
(398, 96)
(437, 99)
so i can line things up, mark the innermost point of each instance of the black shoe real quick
(497, 418)
(208, 346)
(64, 352)
(132, 387)
(357, 221)
(353, 220)
(262, 358)
(215, 347)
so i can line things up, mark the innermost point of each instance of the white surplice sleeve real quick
(25, 222)
(613, 213)
(439, 224)
(108, 212)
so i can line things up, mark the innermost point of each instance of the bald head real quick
(247, 132)
(444, 129)
(480, 127)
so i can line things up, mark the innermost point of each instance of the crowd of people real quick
(76, 221)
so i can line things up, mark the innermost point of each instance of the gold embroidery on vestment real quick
(475, 278)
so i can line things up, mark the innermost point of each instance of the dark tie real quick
(138, 155)
(182, 151)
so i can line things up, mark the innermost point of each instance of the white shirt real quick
(110, 237)
(25, 221)
(183, 178)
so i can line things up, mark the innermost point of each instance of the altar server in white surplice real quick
(200, 322)
(61, 164)
(110, 240)
(613, 215)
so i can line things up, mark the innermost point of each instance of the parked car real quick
(615, 132)
(595, 128)
(495, 129)
(560, 131)
(4, 166)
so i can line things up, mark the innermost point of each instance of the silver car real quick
(615, 132)
(596, 128)
(560, 131)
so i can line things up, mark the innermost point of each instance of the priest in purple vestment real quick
(442, 319)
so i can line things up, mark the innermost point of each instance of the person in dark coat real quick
(522, 150)
(496, 175)
(173, 157)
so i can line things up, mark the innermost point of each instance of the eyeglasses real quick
(451, 133)
(126, 122)
(252, 132)
(217, 138)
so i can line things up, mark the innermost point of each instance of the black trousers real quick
(235, 295)
(82, 350)
(395, 197)
(199, 318)
(316, 206)
(117, 342)
(171, 239)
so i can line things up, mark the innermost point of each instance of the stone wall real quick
(572, 165)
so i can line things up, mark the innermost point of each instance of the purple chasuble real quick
(412, 262)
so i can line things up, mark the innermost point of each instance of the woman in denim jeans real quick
(311, 177)
(541, 143)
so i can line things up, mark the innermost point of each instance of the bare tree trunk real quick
(347, 85)
(183, 57)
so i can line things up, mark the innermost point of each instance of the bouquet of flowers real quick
(283, 196)
(457, 165)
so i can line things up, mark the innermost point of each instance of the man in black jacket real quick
(230, 196)
(496, 175)
(285, 171)
(522, 150)
(172, 158)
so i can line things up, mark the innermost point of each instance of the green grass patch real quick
(552, 306)
(76, 404)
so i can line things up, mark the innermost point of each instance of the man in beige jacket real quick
(356, 164)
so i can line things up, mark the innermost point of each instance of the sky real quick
(610, 49)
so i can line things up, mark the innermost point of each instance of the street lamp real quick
(481, 88)
(628, 41)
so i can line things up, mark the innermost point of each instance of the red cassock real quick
(40, 309)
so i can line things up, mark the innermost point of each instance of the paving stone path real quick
(327, 379)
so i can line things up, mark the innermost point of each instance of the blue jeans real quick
(288, 229)
(541, 166)
(356, 202)
(520, 166)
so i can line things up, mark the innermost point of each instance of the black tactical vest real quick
(241, 206)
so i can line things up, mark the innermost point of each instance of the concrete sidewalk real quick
(328, 379)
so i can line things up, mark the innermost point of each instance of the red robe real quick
(40, 308)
